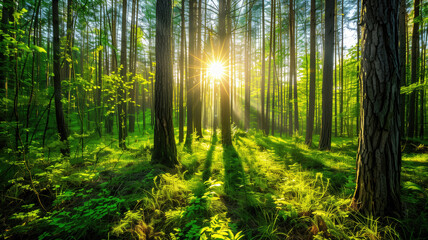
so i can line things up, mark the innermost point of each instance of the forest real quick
(213, 119)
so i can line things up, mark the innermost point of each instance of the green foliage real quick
(219, 229)
(263, 188)
(86, 218)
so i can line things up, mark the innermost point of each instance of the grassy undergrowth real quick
(262, 187)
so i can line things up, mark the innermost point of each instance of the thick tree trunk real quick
(327, 83)
(379, 156)
(164, 151)
(59, 114)
(310, 115)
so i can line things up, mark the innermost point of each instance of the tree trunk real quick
(132, 91)
(358, 100)
(198, 74)
(59, 114)
(415, 70)
(182, 76)
(248, 67)
(262, 82)
(327, 83)
(379, 155)
(402, 25)
(422, 91)
(291, 71)
(274, 66)
(164, 150)
(7, 12)
(293, 63)
(341, 77)
(109, 117)
(266, 126)
(224, 16)
(310, 115)
(191, 71)
(121, 110)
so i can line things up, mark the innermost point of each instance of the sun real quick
(216, 69)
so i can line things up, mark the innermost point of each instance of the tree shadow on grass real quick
(239, 200)
(310, 160)
(234, 176)
(206, 174)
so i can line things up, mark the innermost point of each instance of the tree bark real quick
(121, 90)
(379, 155)
(182, 76)
(224, 16)
(402, 25)
(262, 82)
(293, 64)
(7, 12)
(327, 83)
(248, 67)
(198, 74)
(164, 151)
(415, 70)
(310, 115)
(132, 50)
(266, 126)
(191, 70)
(59, 114)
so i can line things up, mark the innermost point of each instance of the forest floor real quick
(262, 187)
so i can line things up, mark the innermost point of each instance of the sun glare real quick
(216, 69)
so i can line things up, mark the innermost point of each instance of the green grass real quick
(262, 187)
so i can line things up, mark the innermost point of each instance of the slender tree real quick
(182, 76)
(7, 16)
(271, 40)
(191, 70)
(415, 70)
(311, 111)
(224, 16)
(262, 82)
(358, 100)
(402, 54)
(291, 75)
(327, 82)
(121, 110)
(59, 114)
(248, 66)
(132, 70)
(197, 114)
(164, 148)
(379, 155)
(293, 63)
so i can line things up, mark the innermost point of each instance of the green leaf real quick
(37, 48)
(412, 186)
